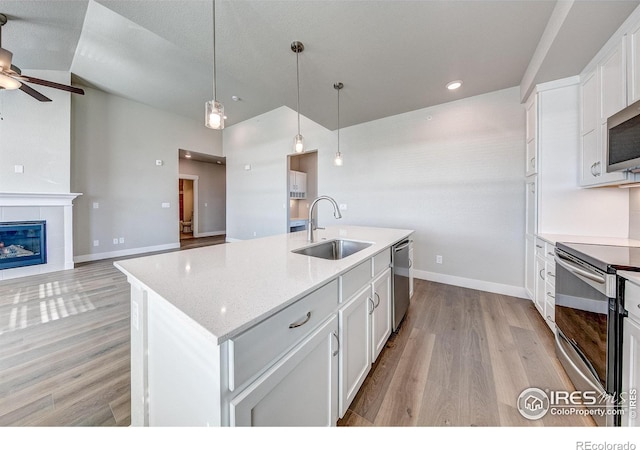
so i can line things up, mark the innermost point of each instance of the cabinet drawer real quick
(550, 310)
(550, 268)
(549, 251)
(541, 246)
(381, 261)
(353, 280)
(263, 344)
(632, 299)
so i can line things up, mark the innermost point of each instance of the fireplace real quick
(22, 244)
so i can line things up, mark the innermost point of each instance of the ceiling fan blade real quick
(35, 94)
(51, 84)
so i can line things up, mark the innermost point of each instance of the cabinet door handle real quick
(550, 319)
(335, 335)
(551, 253)
(551, 274)
(372, 304)
(301, 322)
(551, 295)
(541, 273)
(410, 264)
(378, 297)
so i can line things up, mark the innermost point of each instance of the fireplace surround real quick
(56, 210)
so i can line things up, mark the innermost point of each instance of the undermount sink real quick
(334, 249)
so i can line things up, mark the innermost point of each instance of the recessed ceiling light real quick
(453, 85)
(218, 162)
(187, 155)
(235, 98)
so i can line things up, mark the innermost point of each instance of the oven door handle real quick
(579, 271)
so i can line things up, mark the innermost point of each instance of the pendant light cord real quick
(338, 120)
(298, 82)
(215, 97)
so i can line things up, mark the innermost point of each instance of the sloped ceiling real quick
(392, 56)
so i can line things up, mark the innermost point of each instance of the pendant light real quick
(338, 160)
(298, 142)
(214, 110)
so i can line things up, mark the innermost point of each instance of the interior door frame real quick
(194, 225)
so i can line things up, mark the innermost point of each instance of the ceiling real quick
(392, 56)
(201, 157)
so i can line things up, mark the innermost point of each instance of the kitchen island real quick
(250, 333)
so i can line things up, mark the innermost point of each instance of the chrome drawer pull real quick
(541, 274)
(372, 304)
(551, 295)
(299, 324)
(551, 274)
(377, 304)
(538, 246)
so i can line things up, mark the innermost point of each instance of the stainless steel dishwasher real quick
(400, 263)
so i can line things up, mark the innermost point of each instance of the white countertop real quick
(230, 287)
(634, 277)
(600, 240)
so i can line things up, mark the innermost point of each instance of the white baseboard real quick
(126, 252)
(487, 286)
(233, 239)
(210, 233)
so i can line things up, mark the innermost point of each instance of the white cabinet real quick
(545, 281)
(299, 390)
(355, 341)
(631, 355)
(631, 370)
(603, 93)
(531, 200)
(531, 134)
(365, 326)
(381, 313)
(297, 184)
(530, 261)
(633, 64)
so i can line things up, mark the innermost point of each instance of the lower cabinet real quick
(307, 375)
(381, 313)
(631, 371)
(365, 326)
(355, 340)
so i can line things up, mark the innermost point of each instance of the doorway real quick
(302, 188)
(188, 203)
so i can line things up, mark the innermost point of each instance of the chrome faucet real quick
(312, 225)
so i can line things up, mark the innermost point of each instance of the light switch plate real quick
(159, 162)
(18, 168)
(166, 205)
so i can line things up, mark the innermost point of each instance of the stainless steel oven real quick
(587, 328)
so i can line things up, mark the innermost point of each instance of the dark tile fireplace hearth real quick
(22, 244)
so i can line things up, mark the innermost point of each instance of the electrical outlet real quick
(96, 205)
(96, 243)
(166, 205)
(255, 234)
(121, 240)
(115, 241)
(438, 259)
(18, 168)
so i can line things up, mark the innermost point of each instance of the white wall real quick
(36, 135)
(212, 196)
(634, 213)
(115, 143)
(454, 173)
(257, 198)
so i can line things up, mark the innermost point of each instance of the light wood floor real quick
(460, 358)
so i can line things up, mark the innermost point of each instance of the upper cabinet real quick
(633, 64)
(297, 184)
(531, 129)
(609, 83)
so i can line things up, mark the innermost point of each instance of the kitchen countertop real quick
(600, 240)
(230, 287)
(634, 277)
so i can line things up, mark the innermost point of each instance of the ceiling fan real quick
(11, 77)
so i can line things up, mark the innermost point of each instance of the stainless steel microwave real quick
(623, 139)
